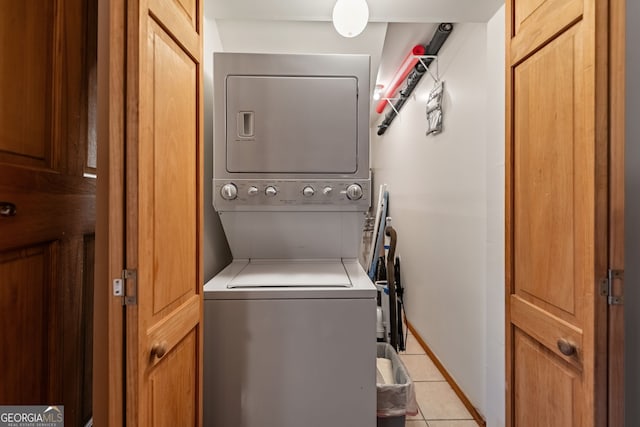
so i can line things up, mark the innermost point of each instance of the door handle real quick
(566, 347)
(7, 209)
(159, 349)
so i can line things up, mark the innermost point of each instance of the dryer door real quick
(291, 124)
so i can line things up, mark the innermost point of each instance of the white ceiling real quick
(379, 10)
(304, 26)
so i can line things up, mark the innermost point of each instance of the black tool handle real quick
(391, 282)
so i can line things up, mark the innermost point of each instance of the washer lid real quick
(291, 273)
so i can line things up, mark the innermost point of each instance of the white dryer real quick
(289, 328)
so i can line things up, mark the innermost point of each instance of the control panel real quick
(341, 194)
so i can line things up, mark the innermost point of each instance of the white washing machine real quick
(289, 328)
(293, 346)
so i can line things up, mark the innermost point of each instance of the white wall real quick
(495, 359)
(438, 205)
(632, 213)
(216, 251)
(447, 204)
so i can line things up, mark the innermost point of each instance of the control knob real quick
(308, 191)
(270, 191)
(354, 192)
(229, 191)
(252, 191)
(327, 191)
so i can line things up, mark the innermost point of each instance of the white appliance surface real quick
(289, 235)
(300, 273)
(271, 279)
(290, 116)
(290, 356)
(270, 130)
(290, 325)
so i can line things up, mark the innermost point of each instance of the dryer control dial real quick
(253, 190)
(229, 191)
(354, 192)
(308, 191)
(327, 190)
(270, 191)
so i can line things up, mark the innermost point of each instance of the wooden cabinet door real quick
(557, 141)
(164, 213)
(47, 206)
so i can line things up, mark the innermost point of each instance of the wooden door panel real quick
(26, 42)
(173, 163)
(173, 327)
(190, 10)
(45, 202)
(43, 139)
(550, 402)
(25, 311)
(164, 225)
(176, 373)
(91, 146)
(546, 328)
(180, 17)
(550, 18)
(548, 194)
(190, 7)
(75, 255)
(85, 388)
(556, 212)
(524, 10)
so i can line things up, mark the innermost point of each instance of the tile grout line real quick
(447, 377)
(422, 418)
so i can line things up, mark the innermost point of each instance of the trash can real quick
(397, 399)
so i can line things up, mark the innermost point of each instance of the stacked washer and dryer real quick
(289, 331)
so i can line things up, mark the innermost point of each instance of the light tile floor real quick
(438, 404)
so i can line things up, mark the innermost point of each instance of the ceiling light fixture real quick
(350, 17)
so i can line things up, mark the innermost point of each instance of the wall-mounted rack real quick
(421, 68)
(421, 59)
(389, 101)
(433, 58)
(401, 74)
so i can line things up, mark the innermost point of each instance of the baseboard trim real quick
(465, 400)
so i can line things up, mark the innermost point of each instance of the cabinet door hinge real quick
(120, 288)
(607, 289)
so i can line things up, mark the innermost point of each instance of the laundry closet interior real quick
(445, 190)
